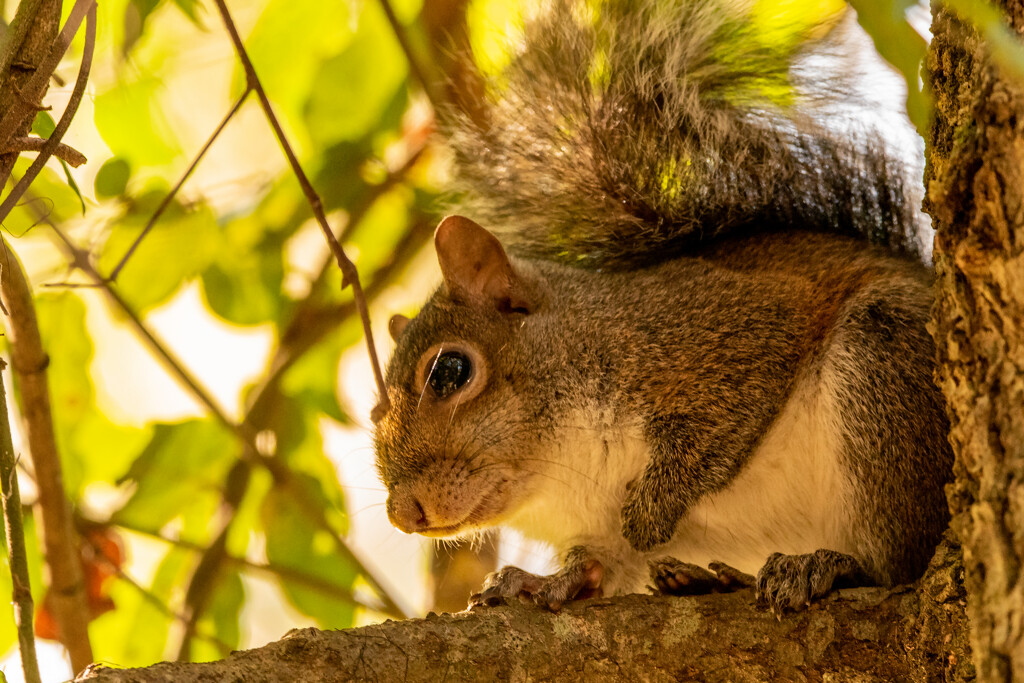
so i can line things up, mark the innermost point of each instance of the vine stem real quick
(15, 528)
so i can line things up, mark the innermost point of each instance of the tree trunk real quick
(976, 198)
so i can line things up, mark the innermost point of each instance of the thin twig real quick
(29, 143)
(32, 91)
(29, 361)
(15, 529)
(174, 191)
(52, 142)
(349, 273)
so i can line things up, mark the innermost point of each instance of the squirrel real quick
(692, 334)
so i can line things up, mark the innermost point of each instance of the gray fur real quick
(688, 139)
(710, 292)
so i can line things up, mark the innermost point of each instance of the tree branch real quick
(15, 528)
(910, 633)
(29, 361)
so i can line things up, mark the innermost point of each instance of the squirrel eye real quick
(449, 372)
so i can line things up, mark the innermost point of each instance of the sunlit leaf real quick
(149, 140)
(903, 47)
(90, 445)
(353, 89)
(221, 617)
(313, 380)
(112, 178)
(138, 629)
(287, 73)
(243, 284)
(293, 544)
(181, 244)
(178, 474)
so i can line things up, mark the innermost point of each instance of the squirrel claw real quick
(793, 582)
(672, 577)
(576, 581)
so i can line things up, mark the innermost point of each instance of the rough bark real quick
(976, 199)
(867, 634)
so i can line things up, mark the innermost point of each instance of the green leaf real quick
(130, 122)
(112, 178)
(181, 244)
(903, 47)
(72, 184)
(137, 630)
(313, 379)
(179, 474)
(293, 544)
(243, 284)
(221, 617)
(190, 8)
(91, 447)
(353, 89)
(287, 72)
(43, 124)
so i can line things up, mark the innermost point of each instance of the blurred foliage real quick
(342, 85)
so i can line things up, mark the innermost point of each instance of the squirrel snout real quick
(406, 512)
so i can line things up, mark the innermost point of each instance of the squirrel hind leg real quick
(791, 582)
(674, 577)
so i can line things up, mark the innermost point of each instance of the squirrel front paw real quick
(672, 577)
(575, 581)
(643, 524)
(793, 581)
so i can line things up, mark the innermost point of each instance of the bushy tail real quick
(629, 130)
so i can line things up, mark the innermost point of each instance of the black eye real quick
(449, 372)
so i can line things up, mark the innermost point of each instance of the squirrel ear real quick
(397, 325)
(476, 268)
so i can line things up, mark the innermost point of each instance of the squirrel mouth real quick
(485, 510)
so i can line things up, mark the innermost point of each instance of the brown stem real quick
(71, 156)
(31, 93)
(348, 269)
(71, 609)
(52, 142)
(174, 191)
(15, 528)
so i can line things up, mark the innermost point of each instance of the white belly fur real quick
(792, 496)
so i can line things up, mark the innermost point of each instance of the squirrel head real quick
(450, 446)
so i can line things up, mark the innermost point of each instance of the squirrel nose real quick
(405, 511)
